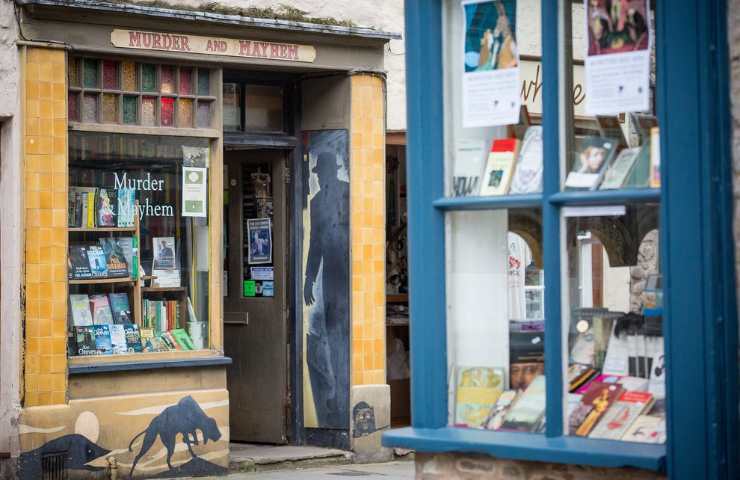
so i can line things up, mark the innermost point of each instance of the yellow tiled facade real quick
(45, 205)
(367, 210)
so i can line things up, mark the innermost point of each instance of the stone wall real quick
(480, 467)
(11, 245)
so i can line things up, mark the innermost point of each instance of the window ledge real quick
(132, 364)
(525, 446)
(490, 202)
(605, 197)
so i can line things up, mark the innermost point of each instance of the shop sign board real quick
(174, 42)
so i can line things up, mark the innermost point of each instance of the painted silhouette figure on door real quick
(327, 283)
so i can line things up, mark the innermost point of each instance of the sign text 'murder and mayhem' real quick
(213, 46)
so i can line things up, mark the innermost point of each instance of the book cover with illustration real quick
(126, 207)
(97, 261)
(103, 343)
(120, 308)
(105, 207)
(591, 157)
(621, 167)
(622, 414)
(526, 414)
(85, 340)
(528, 174)
(78, 263)
(115, 258)
(100, 307)
(476, 392)
(597, 400)
(181, 337)
(500, 167)
(129, 246)
(133, 338)
(79, 306)
(646, 429)
(117, 339)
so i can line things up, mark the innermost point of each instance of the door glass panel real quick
(257, 214)
(616, 372)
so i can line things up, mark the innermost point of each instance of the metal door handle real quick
(236, 318)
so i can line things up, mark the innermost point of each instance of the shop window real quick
(139, 252)
(253, 108)
(132, 93)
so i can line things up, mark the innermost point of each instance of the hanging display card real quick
(194, 191)
(491, 88)
(617, 57)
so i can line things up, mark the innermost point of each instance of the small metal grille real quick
(52, 466)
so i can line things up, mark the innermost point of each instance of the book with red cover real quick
(596, 401)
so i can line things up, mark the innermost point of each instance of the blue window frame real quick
(697, 261)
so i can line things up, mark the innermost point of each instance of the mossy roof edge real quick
(152, 10)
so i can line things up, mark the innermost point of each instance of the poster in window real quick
(260, 241)
(194, 191)
(491, 88)
(617, 57)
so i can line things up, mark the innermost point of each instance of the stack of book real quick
(162, 315)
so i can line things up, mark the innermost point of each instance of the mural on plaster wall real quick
(326, 279)
(171, 438)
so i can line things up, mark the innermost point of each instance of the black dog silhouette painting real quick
(185, 418)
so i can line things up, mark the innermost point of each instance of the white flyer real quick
(491, 88)
(194, 191)
(618, 57)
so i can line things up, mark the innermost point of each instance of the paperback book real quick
(126, 207)
(500, 167)
(619, 170)
(597, 400)
(622, 414)
(133, 338)
(101, 309)
(528, 173)
(527, 413)
(477, 389)
(103, 344)
(106, 205)
(78, 263)
(79, 305)
(117, 339)
(84, 337)
(592, 156)
(115, 258)
(646, 429)
(97, 261)
(120, 308)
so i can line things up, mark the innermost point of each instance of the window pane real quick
(614, 139)
(264, 108)
(495, 322)
(615, 381)
(492, 48)
(232, 110)
(151, 283)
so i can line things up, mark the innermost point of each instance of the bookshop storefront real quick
(572, 281)
(187, 235)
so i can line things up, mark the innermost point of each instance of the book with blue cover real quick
(103, 344)
(98, 263)
(126, 207)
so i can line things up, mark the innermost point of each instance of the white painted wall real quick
(11, 251)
